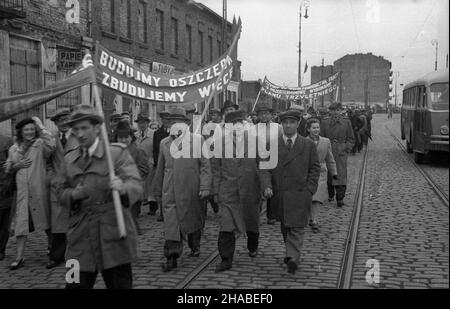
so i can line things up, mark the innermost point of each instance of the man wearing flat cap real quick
(113, 121)
(85, 189)
(291, 184)
(158, 136)
(215, 115)
(237, 190)
(229, 106)
(181, 184)
(144, 141)
(59, 215)
(302, 124)
(340, 133)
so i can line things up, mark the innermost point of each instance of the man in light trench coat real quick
(181, 184)
(85, 188)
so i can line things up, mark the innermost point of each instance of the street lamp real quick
(435, 43)
(303, 4)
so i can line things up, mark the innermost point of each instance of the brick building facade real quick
(39, 46)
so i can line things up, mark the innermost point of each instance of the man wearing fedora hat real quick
(291, 184)
(181, 184)
(229, 106)
(84, 187)
(236, 188)
(59, 215)
(302, 124)
(340, 133)
(158, 136)
(144, 141)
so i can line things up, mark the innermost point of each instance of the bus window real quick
(439, 96)
(419, 97)
(424, 97)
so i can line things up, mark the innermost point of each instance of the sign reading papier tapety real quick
(318, 89)
(126, 79)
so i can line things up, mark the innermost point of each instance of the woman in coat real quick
(327, 164)
(27, 158)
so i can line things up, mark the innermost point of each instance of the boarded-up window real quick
(25, 64)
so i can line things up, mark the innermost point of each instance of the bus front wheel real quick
(418, 157)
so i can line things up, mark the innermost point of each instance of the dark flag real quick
(11, 106)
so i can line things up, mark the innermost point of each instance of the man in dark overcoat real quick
(291, 184)
(7, 188)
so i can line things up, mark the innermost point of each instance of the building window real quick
(174, 35)
(125, 18)
(201, 43)
(142, 21)
(210, 44)
(108, 16)
(160, 29)
(189, 42)
(219, 48)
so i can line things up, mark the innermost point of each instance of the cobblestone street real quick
(403, 225)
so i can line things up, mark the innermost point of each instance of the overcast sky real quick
(402, 33)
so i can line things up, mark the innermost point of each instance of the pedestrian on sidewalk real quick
(291, 184)
(181, 185)
(327, 165)
(237, 190)
(86, 189)
(27, 158)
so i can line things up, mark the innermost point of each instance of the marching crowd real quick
(58, 183)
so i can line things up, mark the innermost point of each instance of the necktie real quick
(63, 140)
(142, 134)
(289, 143)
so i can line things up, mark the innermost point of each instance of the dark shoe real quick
(315, 227)
(223, 266)
(2, 256)
(252, 254)
(169, 265)
(271, 221)
(52, 264)
(195, 253)
(286, 260)
(160, 219)
(17, 264)
(292, 266)
(340, 203)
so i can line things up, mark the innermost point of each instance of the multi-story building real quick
(43, 40)
(365, 79)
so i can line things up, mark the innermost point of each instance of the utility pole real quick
(306, 5)
(397, 73)
(435, 43)
(321, 78)
(224, 39)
